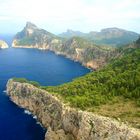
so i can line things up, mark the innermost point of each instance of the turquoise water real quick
(42, 66)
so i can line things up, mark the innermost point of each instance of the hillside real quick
(85, 52)
(109, 36)
(113, 91)
(75, 48)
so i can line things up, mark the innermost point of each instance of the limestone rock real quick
(64, 122)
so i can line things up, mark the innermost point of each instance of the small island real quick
(3, 45)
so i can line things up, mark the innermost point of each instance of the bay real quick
(44, 67)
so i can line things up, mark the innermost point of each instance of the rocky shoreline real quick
(66, 123)
(92, 65)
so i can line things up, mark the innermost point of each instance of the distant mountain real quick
(108, 36)
(70, 33)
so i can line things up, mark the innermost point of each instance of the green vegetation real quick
(81, 42)
(23, 80)
(120, 78)
(26, 41)
(85, 50)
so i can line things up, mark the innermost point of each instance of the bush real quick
(23, 80)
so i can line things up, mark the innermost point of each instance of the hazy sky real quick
(59, 15)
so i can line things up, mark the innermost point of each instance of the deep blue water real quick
(42, 66)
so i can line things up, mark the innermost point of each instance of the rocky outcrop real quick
(3, 44)
(66, 123)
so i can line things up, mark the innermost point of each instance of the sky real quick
(57, 16)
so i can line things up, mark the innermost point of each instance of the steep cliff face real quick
(3, 44)
(63, 122)
(85, 52)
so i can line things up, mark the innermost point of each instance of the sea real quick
(45, 67)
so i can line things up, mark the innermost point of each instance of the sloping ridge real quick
(63, 122)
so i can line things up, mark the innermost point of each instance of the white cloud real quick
(4, 18)
(84, 15)
(124, 4)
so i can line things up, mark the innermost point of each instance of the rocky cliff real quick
(3, 44)
(63, 122)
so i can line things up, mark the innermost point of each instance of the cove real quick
(44, 67)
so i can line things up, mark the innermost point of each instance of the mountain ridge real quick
(107, 36)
